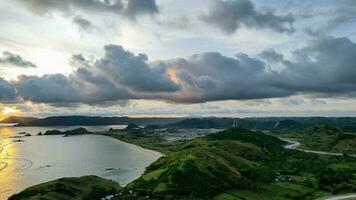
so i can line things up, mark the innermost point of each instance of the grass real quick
(153, 175)
(275, 191)
(86, 187)
(323, 138)
(235, 164)
(152, 142)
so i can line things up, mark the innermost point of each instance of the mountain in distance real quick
(96, 121)
(204, 123)
(267, 123)
(280, 123)
(262, 123)
(17, 119)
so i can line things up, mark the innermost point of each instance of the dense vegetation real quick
(237, 164)
(152, 142)
(323, 138)
(86, 187)
(268, 123)
(78, 131)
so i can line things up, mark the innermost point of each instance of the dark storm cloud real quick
(119, 75)
(78, 60)
(7, 91)
(271, 56)
(212, 76)
(175, 23)
(230, 15)
(80, 87)
(344, 13)
(82, 23)
(325, 67)
(341, 13)
(133, 71)
(9, 58)
(45, 6)
(131, 9)
(139, 7)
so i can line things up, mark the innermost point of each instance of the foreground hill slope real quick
(210, 165)
(86, 187)
(237, 164)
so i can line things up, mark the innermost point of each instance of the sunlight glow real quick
(9, 110)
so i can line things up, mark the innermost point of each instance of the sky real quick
(167, 58)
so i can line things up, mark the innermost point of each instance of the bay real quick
(43, 158)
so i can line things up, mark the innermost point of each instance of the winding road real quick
(295, 145)
(340, 197)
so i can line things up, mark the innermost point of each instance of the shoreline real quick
(140, 150)
(157, 153)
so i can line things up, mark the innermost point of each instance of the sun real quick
(9, 110)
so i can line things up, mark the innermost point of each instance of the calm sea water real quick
(42, 158)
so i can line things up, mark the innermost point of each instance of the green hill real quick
(86, 187)
(210, 165)
(232, 164)
(324, 138)
(241, 164)
(77, 131)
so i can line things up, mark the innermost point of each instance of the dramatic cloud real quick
(78, 60)
(9, 58)
(82, 23)
(131, 9)
(230, 15)
(211, 76)
(339, 15)
(325, 67)
(119, 75)
(7, 91)
(80, 87)
(133, 71)
(271, 56)
(45, 6)
(139, 7)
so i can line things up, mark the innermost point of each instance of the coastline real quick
(136, 146)
(144, 152)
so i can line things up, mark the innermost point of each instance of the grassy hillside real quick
(234, 164)
(149, 141)
(86, 187)
(242, 164)
(202, 168)
(324, 138)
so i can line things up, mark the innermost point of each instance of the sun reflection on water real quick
(9, 166)
(6, 132)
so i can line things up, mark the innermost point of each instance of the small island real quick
(78, 131)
